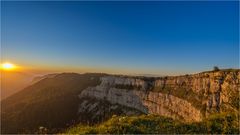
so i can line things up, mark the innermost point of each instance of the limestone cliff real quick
(188, 97)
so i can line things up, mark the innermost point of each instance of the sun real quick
(8, 66)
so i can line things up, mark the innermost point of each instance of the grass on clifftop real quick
(153, 124)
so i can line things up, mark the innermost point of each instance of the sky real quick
(121, 37)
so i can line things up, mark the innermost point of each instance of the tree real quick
(215, 68)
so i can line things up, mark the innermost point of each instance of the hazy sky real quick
(121, 37)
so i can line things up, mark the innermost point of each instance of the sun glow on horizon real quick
(8, 66)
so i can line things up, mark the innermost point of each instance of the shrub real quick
(215, 68)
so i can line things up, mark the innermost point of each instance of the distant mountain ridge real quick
(38, 78)
(13, 81)
(60, 100)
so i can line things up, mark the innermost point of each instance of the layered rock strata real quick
(188, 97)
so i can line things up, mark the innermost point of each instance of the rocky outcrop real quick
(188, 97)
(123, 97)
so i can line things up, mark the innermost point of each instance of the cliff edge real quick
(188, 97)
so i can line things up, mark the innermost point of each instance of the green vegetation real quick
(152, 124)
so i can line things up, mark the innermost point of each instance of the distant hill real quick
(12, 82)
(39, 78)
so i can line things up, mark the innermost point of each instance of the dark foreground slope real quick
(51, 102)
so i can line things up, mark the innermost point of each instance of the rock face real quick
(189, 97)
